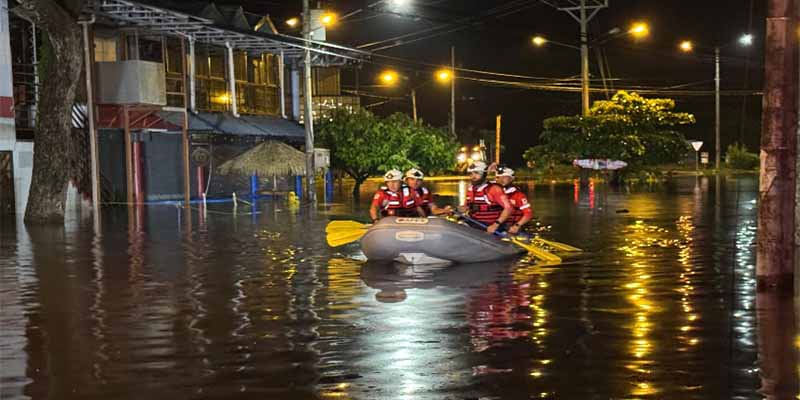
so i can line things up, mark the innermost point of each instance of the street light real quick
(744, 40)
(292, 22)
(639, 30)
(444, 75)
(388, 77)
(328, 19)
(686, 46)
(391, 78)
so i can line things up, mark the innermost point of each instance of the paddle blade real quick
(559, 246)
(345, 225)
(537, 252)
(336, 239)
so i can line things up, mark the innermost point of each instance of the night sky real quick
(501, 43)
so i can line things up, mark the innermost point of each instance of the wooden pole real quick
(185, 131)
(497, 140)
(775, 251)
(414, 104)
(88, 38)
(126, 125)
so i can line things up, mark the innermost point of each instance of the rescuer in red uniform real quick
(414, 179)
(486, 201)
(395, 199)
(522, 208)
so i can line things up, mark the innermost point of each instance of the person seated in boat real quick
(395, 199)
(486, 201)
(414, 179)
(523, 212)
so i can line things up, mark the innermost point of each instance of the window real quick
(105, 49)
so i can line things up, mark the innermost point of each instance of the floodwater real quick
(167, 304)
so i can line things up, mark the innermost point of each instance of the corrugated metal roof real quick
(246, 125)
(153, 17)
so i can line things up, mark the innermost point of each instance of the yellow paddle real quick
(557, 245)
(537, 252)
(343, 232)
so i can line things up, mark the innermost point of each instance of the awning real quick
(165, 21)
(246, 125)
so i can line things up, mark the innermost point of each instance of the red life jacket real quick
(518, 200)
(480, 207)
(425, 199)
(402, 204)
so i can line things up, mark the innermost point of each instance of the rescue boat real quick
(433, 241)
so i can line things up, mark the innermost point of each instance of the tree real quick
(60, 154)
(362, 144)
(631, 128)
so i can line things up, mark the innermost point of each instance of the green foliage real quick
(362, 144)
(631, 128)
(737, 157)
(540, 157)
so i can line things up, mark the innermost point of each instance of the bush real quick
(737, 157)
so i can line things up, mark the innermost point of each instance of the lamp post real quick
(390, 78)
(638, 30)
(448, 76)
(687, 46)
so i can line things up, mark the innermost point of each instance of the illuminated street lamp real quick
(639, 30)
(292, 22)
(539, 41)
(391, 78)
(328, 19)
(687, 46)
(444, 75)
(388, 77)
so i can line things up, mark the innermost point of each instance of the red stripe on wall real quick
(6, 107)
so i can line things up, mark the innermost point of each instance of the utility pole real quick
(414, 104)
(93, 146)
(584, 60)
(583, 14)
(497, 139)
(718, 145)
(776, 219)
(453, 91)
(308, 116)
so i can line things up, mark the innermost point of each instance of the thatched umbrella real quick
(270, 158)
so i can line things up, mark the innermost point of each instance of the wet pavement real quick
(169, 304)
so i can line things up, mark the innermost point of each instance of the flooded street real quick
(255, 305)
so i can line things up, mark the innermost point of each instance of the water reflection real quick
(662, 306)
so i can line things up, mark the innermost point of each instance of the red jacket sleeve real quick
(521, 202)
(377, 199)
(497, 195)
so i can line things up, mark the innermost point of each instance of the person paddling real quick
(395, 199)
(414, 179)
(486, 201)
(523, 212)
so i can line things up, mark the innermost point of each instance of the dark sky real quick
(502, 44)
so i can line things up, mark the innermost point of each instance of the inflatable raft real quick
(433, 241)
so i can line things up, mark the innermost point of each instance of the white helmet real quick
(393, 175)
(503, 171)
(415, 173)
(477, 166)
